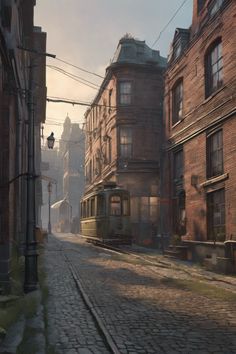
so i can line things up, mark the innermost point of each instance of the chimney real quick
(198, 5)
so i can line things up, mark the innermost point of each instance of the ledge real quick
(215, 180)
(205, 243)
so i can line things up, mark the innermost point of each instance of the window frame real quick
(214, 70)
(112, 210)
(213, 229)
(127, 144)
(125, 97)
(215, 169)
(177, 101)
(215, 6)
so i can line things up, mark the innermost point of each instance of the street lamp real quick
(51, 140)
(31, 255)
(49, 207)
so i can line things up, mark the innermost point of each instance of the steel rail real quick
(108, 340)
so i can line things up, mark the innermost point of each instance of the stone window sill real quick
(214, 180)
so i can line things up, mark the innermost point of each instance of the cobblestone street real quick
(143, 311)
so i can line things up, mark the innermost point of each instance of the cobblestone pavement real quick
(70, 326)
(144, 311)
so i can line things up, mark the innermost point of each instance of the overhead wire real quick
(171, 19)
(54, 99)
(75, 77)
(79, 68)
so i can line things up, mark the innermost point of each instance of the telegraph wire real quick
(54, 67)
(165, 27)
(79, 68)
(53, 99)
(75, 77)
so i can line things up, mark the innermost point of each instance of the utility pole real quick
(31, 255)
(49, 207)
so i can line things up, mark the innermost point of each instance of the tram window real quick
(92, 207)
(84, 209)
(81, 210)
(125, 205)
(100, 205)
(87, 208)
(115, 205)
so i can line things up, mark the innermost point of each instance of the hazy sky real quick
(86, 33)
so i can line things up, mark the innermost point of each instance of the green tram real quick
(105, 215)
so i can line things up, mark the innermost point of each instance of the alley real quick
(142, 311)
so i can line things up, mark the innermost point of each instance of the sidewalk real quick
(177, 268)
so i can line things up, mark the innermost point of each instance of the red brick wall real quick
(201, 114)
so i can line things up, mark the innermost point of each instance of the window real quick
(125, 89)
(179, 226)
(215, 154)
(92, 207)
(178, 165)
(101, 205)
(214, 68)
(200, 4)
(216, 5)
(109, 100)
(125, 206)
(177, 102)
(216, 216)
(115, 205)
(149, 209)
(177, 50)
(125, 142)
(153, 211)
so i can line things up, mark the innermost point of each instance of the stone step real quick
(178, 247)
(177, 252)
(170, 256)
(172, 252)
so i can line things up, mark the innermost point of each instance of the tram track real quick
(168, 265)
(103, 332)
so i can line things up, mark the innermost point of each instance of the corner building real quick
(200, 117)
(123, 132)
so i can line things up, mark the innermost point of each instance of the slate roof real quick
(131, 50)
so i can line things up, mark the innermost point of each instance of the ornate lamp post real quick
(51, 140)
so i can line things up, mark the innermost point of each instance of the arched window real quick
(213, 67)
(177, 101)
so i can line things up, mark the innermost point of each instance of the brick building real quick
(123, 132)
(73, 168)
(17, 82)
(200, 111)
(64, 167)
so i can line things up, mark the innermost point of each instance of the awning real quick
(59, 203)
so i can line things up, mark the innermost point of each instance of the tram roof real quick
(104, 190)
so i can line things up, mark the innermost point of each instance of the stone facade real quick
(123, 132)
(200, 112)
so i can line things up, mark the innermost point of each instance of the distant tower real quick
(65, 135)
